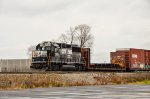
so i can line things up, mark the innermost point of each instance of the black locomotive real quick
(56, 56)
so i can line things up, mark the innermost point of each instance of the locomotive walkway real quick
(86, 92)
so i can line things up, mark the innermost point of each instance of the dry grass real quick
(20, 81)
(147, 82)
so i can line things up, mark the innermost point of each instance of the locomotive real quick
(56, 56)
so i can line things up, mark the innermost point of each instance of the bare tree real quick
(79, 35)
(84, 37)
(68, 37)
(71, 34)
(63, 38)
(30, 49)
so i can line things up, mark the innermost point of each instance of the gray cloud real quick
(115, 24)
(35, 7)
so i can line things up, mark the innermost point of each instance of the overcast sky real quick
(114, 23)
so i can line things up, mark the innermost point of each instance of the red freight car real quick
(131, 59)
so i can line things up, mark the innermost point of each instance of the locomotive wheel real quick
(78, 68)
(52, 68)
(60, 67)
(55, 68)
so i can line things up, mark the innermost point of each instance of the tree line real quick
(78, 35)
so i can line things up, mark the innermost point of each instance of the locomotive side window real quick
(48, 48)
(43, 48)
(53, 49)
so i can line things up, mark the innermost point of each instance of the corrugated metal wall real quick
(15, 65)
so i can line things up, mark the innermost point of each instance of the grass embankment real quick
(146, 82)
(22, 81)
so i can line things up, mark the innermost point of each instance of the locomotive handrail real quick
(84, 61)
(49, 60)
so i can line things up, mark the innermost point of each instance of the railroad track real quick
(35, 72)
(70, 72)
